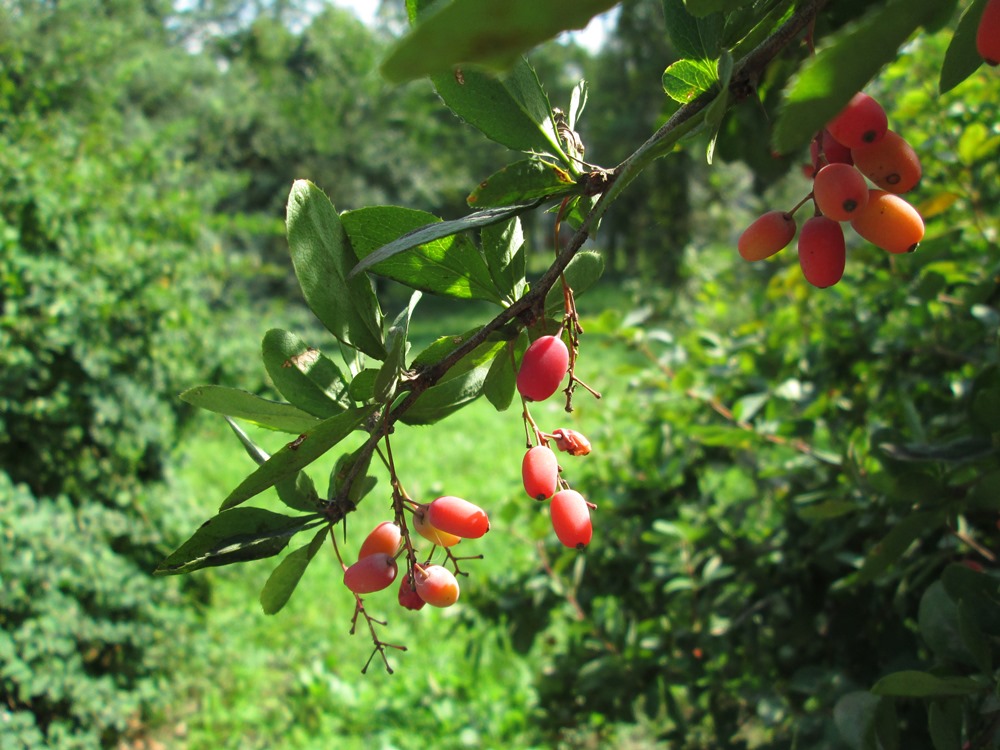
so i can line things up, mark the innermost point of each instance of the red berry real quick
(372, 573)
(891, 163)
(889, 222)
(540, 472)
(384, 538)
(839, 191)
(988, 33)
(459, 517)
(824, 149)
(862, 121)
(408, 597)
(571, 442)
(436, 585)
(767, 235)
(571, 518)
(822, 251)
(432, 534)
(543, 368)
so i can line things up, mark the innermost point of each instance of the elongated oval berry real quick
(436, 585)
(540, 472)
(408, 596)
(824, 149)
(862, 121)
(890, 163)
(370, 574)
(571, 442)
(543, 367)
(432, 534)
(840, 191)
(459, 517)
(383, 538)
(889, 222)
(767, 235)
(822, 251)
(988, 33)
(571, 518)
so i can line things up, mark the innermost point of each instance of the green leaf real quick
(522, 181)
(916, 684)
(363, 386)
(235, 536)
(463, 384)
(395, 362)
(362, 485)
(895, 543)
(297, 492)
(938, 621)
(488, 32)
(854, 717)
(944, 723)
(691, 37)
(503, 248)
(322, 258)
(716, 111)
(305, 376)
(439, 229)
(685, 80)
(298, 454)
(581, 274)
(280, 585)
(978, 590)
(501, 380)
(854, 55)
(233, 402)
(512, 110)
(701, 8)
(449, 265)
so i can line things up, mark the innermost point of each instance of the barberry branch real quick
(608, 184)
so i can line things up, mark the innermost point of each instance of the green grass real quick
(293, 680)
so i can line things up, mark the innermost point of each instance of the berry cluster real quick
(544, 366)
(854, 145)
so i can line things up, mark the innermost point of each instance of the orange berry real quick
(889, 222)
(891, 163)
(436, 585)
(540, 472)
(384, 538)
(767, 235)
(543, 367)
(988, 33)
(432, 534)
(571, 518)
(822, 251)
(459, 517)
(862, 121)
(839, 190)
(408, 596)
(370, 574)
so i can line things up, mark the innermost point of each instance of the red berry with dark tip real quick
(540, 472)
(862, 121)
(543, 367)
(571, 518)
(768, 234)
(822, 251)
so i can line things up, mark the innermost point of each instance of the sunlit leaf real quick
(449, 265)
(304, 375)
(298, 454)
(522, 182)
(489, 32)
(322, 258)
(245, 405)
(235, 536)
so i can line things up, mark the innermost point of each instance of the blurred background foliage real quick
(786, 477)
